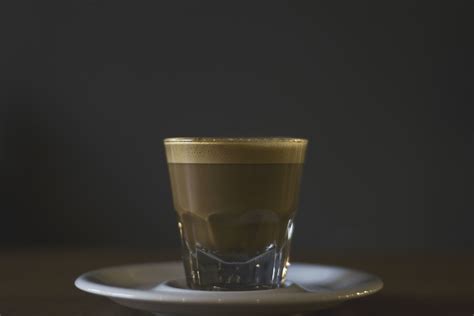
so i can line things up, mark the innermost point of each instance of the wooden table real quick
(40, 282)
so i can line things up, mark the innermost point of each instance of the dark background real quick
(383, 90)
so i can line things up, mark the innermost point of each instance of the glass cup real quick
(236, 199)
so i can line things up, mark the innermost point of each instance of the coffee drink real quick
(235, 199)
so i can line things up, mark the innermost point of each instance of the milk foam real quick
(208, 150)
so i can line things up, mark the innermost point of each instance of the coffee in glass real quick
(235, 199)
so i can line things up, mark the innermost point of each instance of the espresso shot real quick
(235, 200)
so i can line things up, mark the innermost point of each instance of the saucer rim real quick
(197, 297)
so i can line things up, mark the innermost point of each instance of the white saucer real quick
(161, 288)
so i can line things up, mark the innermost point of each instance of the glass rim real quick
(233, 140)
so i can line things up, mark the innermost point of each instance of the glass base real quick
(206, 270)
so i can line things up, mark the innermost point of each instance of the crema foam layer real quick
(235, 150)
